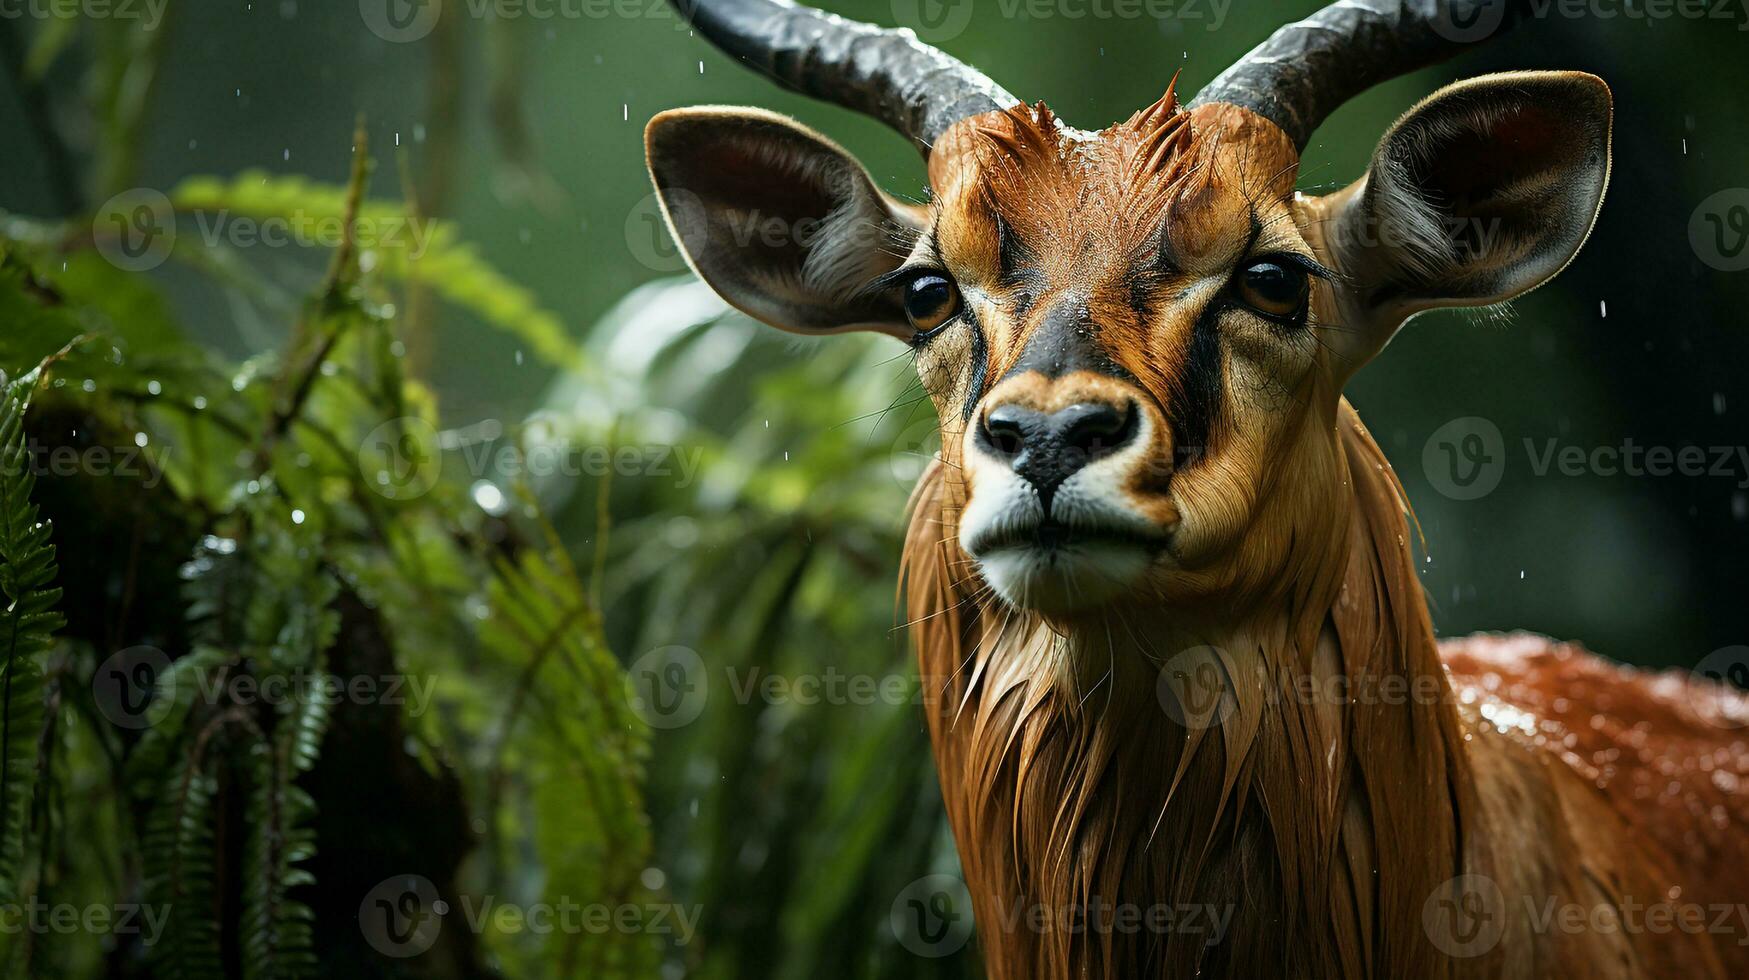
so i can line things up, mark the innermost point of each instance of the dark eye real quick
(930, 301)
(1274, 289)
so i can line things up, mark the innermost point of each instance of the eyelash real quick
(900, 280)
(1312, 268)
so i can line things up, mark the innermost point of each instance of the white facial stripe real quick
(1071, 574)
(1001, 502)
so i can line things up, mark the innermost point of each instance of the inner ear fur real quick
(1479, 194)
(783, 223)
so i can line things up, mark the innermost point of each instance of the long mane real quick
(1072, 789)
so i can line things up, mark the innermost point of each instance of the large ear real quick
(1481, 193)
(781, 221)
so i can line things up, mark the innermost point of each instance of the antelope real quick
(1159, 577)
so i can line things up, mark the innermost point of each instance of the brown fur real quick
(1327, 825)
(1352, 801)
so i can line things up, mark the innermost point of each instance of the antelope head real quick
(1136, 339)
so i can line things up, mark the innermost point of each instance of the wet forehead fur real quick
(1107, 233)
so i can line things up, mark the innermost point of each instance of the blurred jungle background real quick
(344, 352)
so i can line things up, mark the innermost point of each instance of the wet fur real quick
(1325, 825)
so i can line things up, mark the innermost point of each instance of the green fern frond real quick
(276, 929)
(425, 251)
(28, 620)
(578, 751)
(181, 866)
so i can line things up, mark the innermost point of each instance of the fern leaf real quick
(579, 753)
(276, 935)
(27, 621)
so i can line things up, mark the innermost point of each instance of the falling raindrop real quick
(489, 498)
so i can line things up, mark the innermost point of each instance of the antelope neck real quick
(1316, 803)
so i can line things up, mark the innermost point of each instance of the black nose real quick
(1048, 448)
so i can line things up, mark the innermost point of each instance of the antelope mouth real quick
(1051, 535)
(1057, 568)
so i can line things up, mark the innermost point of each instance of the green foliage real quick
(792, 822)
(27, 621)
(575, 751)
(310, 515)
(406, 247)
(331, 540)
